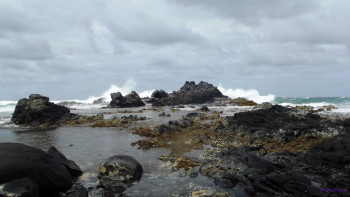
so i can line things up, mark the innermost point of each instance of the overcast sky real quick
(78, 48)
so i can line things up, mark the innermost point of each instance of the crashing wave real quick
(250, 94)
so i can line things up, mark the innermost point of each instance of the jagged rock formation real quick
(130, 100)
(190, 93)
(38, 110)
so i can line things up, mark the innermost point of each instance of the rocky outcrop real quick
(190, 93)
(272, 119)
(119, 172)
(34, 170)
(130, 100)
(280, 152)
(38, 110)
(242, 102)
(158, 94)
(264, 105)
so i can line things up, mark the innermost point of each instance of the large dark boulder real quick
(130, 100)
(24, 187)
(190, 93)
(49, 173)
(119, 172)
(158, 94)
(70, 165)
(38, 110)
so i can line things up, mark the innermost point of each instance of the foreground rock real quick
(20, 187)
(119, 172)
(278, 152)
(30, 170)
(190, 93)
(38, 110)
(130, 100)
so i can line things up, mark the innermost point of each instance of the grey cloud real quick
(25, 48)
(253, 11)
(12, 21)
(153, 32)
(82, 47)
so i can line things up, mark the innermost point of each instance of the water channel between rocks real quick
(88, 147)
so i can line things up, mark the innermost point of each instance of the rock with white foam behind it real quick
(38, 110)
(130, 100)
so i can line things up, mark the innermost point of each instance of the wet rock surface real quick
(130, 100)
(29, 169)
(20, 187)
(190, 93)
(242, 102)
(38, 110)
(118, 173)
(281, 154)
(273, 151)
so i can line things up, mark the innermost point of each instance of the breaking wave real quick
(250, 94)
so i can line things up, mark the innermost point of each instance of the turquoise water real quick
(314, 100)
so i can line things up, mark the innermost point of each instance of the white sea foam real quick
(250, 94)
(342, 109)
(315, 105)
(7, 102)
(5, 120)
(128, 86)
(7, 109)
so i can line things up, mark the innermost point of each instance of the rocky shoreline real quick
(269, 150)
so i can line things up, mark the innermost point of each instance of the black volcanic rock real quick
(24, 166)
(158, 94)
(38, 110)
(130, 100)
(20, 187)
(119, 172)
(70, 165)
(190, 93)
(272, 119)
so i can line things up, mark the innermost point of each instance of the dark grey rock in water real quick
(38, 110)
(20, 187)
(119, 172)
(130, 100)
(190, 93)
(49, 173)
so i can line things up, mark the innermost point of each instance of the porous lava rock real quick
(190, 93)
(119, 172)
(38, 110)
(130, 100)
